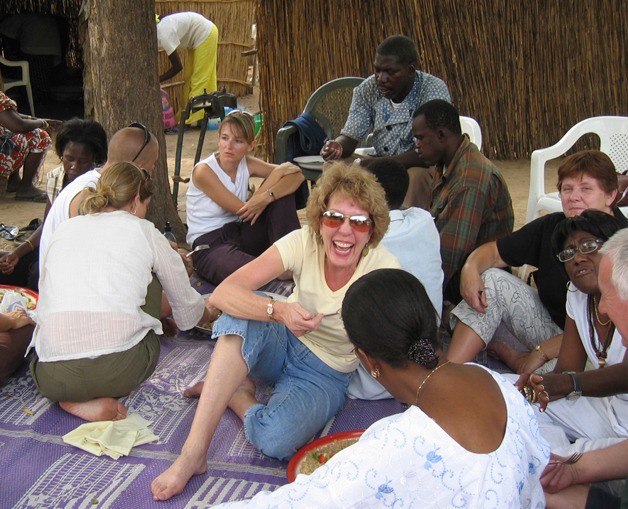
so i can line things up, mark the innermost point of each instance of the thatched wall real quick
(526, 70)
(234, 19)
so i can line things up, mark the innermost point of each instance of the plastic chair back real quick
(25, 81)
(329, 105)
(613, 135)
(471, 128)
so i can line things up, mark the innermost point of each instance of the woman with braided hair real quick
(467, 439)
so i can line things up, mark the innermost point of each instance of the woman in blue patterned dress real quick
(468, 438)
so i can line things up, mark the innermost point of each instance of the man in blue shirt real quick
(384, 104)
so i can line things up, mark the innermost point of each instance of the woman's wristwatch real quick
(270, 309)
(577, 391)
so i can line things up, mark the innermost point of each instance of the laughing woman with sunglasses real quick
(220, 214)
(600, 416)
(100, 299)
(299, 346)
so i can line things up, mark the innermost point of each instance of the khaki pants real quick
(112, 375)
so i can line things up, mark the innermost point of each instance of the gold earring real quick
(375, 373)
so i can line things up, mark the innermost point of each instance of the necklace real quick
(600, 351)
(595, 306)
(416, 400)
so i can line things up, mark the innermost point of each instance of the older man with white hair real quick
(613, 281)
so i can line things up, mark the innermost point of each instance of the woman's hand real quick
(254, 207)
(8, 263)
(558, 475)
(19, 318)
(53, 124)
(472, 289)
(296, 318)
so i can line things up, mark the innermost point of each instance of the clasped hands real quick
(8, 263)
(532, 387)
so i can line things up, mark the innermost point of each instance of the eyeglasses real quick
(146, 137)
(586, 247)
(333, 219)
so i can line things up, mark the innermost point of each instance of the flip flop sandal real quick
(32, 226)
(8, 232)
(37, 198)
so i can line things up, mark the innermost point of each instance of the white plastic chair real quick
(471, 128)
(613, 135)
(24, 82)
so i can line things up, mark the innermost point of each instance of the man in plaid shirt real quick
(470, 201)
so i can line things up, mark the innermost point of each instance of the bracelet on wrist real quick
(27, 241)
(44, 123)
(544, 356)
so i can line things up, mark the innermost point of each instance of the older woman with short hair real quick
(534, 316)
(300, 346)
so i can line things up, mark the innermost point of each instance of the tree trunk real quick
(122, 85)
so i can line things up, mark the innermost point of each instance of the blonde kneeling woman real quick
(100, 295)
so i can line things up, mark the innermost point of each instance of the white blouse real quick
(93, 283)
(204, 215)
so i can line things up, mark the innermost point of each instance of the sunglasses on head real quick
(146, 138)
(333, 219)
(586, 247)
(240, 112)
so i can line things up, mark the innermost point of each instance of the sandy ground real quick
(19, 214)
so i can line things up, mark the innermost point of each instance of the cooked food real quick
(207, 325)
(31, 301)
(323, 454)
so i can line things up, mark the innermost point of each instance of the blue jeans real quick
(307, 392)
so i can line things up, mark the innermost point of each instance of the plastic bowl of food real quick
(30, 296)
(315, 454)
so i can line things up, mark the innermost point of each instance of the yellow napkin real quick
(112, 438)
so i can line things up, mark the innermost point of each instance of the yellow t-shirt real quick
(304, 256)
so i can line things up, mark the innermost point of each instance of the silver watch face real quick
(573, 395)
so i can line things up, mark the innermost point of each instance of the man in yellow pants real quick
(192, 32)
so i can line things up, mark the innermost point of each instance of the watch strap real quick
(270, 309)
(576, 383)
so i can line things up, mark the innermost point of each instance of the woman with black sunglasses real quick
(299, 346)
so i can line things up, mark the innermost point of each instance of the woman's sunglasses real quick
(333, 219)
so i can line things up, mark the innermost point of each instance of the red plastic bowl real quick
(23, 291)
(295, 462)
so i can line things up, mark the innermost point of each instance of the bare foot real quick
(195, 390)
(173, 481)
(514, 359)
(99, 409)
